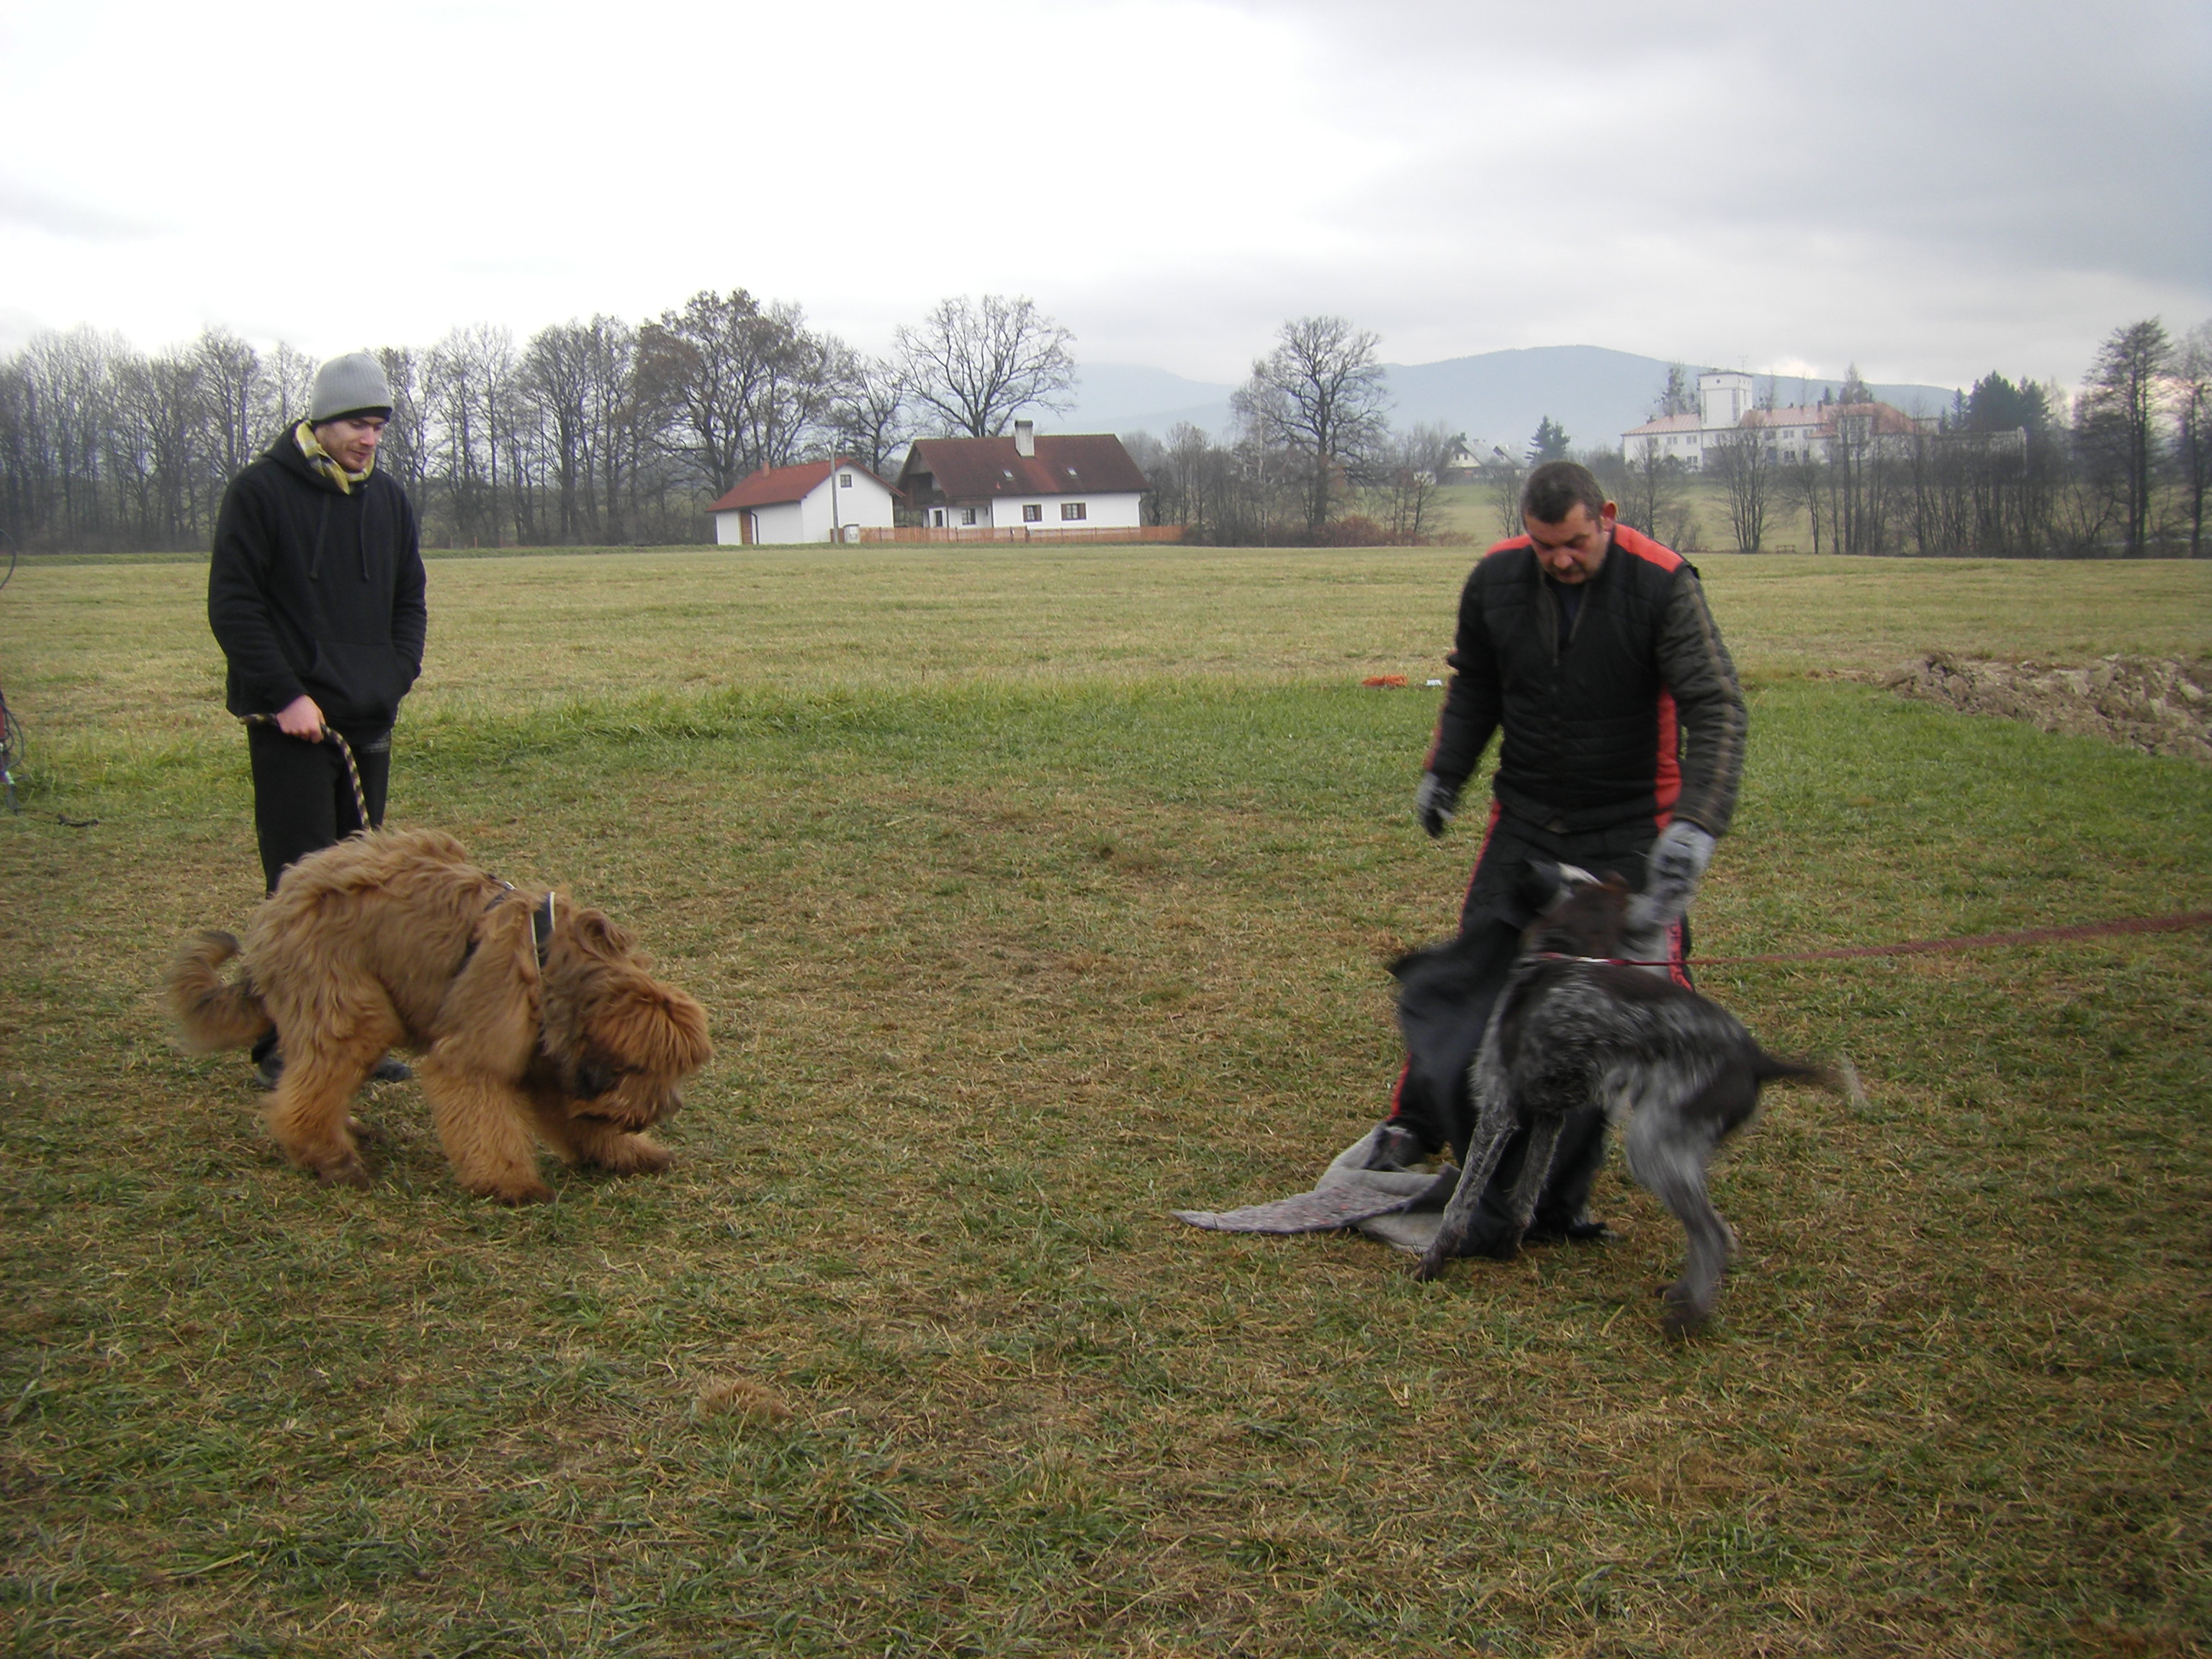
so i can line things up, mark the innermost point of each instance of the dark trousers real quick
(1445, 999)
(302, 799)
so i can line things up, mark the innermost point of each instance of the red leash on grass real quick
(1971, 942)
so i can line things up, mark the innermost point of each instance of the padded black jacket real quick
(317, 591)
(1635, 715)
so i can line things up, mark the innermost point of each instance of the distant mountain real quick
(1123, 398)
(1495, 398)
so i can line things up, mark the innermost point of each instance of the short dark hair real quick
(1557, 488)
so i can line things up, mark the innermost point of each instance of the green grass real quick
(1033, 899)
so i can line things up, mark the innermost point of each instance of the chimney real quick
(1026, 438)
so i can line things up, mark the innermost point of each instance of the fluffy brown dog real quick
(534, 1016)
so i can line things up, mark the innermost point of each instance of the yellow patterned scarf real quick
(320, 459)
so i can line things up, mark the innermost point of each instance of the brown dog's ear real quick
(655, 1028)
(495, 998)
(597, 932)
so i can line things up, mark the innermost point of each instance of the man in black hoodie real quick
(316, 596)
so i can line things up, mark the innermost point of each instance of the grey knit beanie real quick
(351, 384)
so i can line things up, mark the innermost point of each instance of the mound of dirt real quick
(2161, 708)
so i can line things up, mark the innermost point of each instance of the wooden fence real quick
(1022, 532)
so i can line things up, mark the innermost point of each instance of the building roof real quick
(772, 486)
(1664, 423)
(979, 468)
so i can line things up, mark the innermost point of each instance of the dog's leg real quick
(1493, 1126)
(1535, 1169)
(307, 1113)
(483, 1125)
(594, 1141)
(1669, 1144)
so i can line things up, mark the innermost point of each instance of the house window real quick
(937, 518)
(1032, 513)
(967, 515)
(844, 481)
(1072, 510)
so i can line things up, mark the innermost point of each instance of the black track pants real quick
(303, 799)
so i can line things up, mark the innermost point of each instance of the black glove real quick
(1434, 802)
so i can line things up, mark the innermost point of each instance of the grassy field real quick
(1035, 897)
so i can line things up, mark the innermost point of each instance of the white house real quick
(1072, 483)
(1803, 432)
(804, 503)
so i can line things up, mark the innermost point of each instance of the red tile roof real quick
(978, 468)
(772, 486)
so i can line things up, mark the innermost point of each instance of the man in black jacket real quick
(1590, 646)
(316, 596)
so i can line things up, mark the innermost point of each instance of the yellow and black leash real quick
(330, 734)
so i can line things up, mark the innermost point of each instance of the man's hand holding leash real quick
(301, 718)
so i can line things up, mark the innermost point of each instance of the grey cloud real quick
(2078, 137)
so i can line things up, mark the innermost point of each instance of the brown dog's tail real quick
(213, 1012)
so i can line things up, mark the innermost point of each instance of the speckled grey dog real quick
(1576, 1025)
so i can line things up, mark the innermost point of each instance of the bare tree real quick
(2118, 419)
(292, 381)
(469, 387)
(870, 418)
(974, 364)
(1803, 485)
(746, 383)
(1503, 475)
(1401, 490)
(1655, 485)
(238, 392)
(701, 362)
(404, 452)
(1321, 395)
(1744, 462)
(2192, 438)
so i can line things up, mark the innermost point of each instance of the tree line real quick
(2011, 469)
(588, 433)
(604, 432)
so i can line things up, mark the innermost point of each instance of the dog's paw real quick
(344, 1172)
(632, 1155)
(535, 1192)
(1682, 1317)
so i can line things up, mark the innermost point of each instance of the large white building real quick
(1726, 401)
(802, 504)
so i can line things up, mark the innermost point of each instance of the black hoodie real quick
(316, 591)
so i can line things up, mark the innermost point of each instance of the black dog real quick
(1575, 1026)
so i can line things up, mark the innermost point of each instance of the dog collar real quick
(541, 928)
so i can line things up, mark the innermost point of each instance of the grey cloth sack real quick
(1401, 1207)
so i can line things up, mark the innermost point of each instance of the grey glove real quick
(1677, 864)
(1434, 802)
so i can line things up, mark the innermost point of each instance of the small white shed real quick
(813, 502)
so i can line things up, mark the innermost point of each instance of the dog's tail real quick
(213, 1012)
(1842, 1078)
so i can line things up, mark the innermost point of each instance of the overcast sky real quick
(1931, 189)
